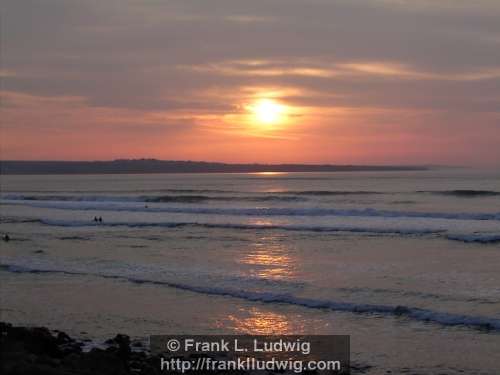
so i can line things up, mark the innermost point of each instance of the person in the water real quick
(6, 238)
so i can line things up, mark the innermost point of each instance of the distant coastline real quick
(139, 166)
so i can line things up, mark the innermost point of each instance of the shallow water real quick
(407, 263)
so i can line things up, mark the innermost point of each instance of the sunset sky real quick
(313, 81)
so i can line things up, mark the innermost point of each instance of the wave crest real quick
(264, 211)
(465, 193)
(414, 313)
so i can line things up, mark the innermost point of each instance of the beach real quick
(405, 262)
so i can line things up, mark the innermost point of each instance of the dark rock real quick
(97, 361)
(71, 347)
(38, 351)
(63, 338)
(37, 340)
(122, 344)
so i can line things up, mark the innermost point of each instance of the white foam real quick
(255, 211)
(425, 315)
(291, 227)
(480, 238)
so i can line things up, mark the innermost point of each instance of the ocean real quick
(406, 263)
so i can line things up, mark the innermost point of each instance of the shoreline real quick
(39, 350)
(153, 166)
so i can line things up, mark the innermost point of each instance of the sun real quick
(267, 111)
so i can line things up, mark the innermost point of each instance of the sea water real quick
(407, 263)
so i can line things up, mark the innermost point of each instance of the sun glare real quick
(268, 111)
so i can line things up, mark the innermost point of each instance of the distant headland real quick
(122, 166)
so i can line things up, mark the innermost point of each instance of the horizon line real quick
(333, 164)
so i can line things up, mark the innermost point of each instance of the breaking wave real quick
(183, 198)
(290, 227)
(465, 193)
(261, 211)
(479, 238)
(414, 313)
(204, 198)
(328, 192)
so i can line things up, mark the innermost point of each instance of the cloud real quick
(150, 64)
(277, 68)
(241, 18)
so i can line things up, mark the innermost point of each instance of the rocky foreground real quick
(39, 351)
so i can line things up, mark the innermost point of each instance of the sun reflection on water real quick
(270, 259)
(261, 322)
(269, 173)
